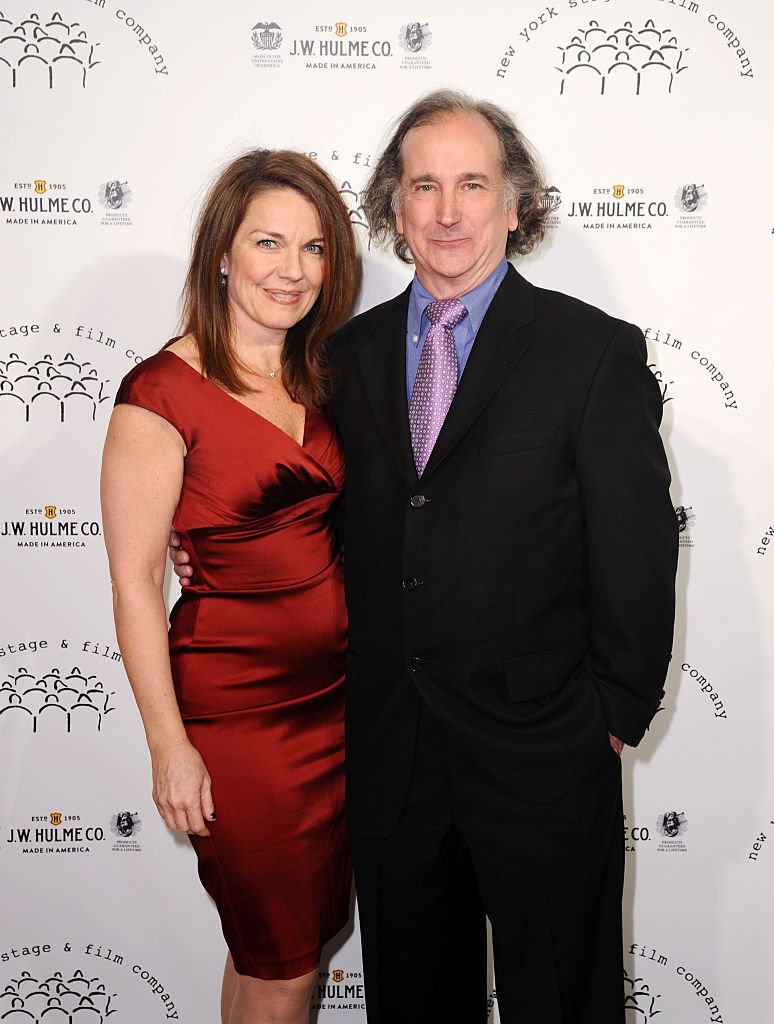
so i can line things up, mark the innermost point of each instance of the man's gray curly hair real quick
(520, 165)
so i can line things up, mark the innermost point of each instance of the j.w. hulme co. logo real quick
(342, 46)
(50, 527)
(44, 202)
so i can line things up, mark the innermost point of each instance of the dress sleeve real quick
(155, 385)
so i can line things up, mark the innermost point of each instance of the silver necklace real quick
(269, 373)
(272, 374)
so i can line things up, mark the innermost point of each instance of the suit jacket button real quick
(417, 500)
(415, 664)
(410, 583)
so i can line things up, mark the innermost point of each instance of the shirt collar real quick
(477, 300)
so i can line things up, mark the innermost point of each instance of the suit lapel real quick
(383, 366)
(496, 351)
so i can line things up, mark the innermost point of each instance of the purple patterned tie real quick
(436, 379)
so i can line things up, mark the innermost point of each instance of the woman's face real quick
(275, 265)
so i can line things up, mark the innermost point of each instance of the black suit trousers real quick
(548, 874)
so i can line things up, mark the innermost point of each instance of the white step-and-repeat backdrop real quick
(654, 119)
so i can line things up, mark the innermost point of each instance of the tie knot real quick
(447, 312)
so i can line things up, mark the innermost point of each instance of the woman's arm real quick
(142, 475)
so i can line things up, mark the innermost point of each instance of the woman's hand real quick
(181, 788)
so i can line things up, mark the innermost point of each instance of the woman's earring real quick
(223, 276)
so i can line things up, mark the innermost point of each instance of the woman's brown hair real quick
(206, 310)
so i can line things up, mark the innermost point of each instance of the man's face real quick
(452, 208)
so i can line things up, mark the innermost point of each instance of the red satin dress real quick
(257, 646)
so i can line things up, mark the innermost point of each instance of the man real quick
(510, 549)
(510, 600)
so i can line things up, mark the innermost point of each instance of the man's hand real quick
(615, 743)
(180, 560)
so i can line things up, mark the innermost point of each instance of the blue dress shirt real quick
(417, 325)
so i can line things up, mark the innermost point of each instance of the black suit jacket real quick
(524, 586)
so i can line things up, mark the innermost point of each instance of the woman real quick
(224, 436)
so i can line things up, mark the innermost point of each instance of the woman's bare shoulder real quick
(187, 349)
